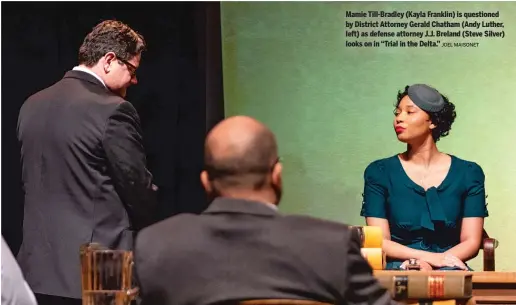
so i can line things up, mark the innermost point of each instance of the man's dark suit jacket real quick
(84, 177)
(239, 250)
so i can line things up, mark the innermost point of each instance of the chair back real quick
(106, 276)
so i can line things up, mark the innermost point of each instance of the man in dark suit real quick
(83, 164)
(241, 247)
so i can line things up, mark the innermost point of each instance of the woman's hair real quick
(442, 119)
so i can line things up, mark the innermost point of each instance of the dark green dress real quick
(424, 220)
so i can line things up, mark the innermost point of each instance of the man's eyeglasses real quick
(132, 68)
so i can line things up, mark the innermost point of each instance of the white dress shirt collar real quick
(86, 70)
(271, 205)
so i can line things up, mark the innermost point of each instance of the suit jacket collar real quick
(231, 205)
(83, 76)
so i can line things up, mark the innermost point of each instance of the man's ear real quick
(108, 59)
(205, 180)
(276, 173)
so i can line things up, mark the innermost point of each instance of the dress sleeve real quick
(475, 201)
(375, 191)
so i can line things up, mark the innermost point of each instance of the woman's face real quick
(410, 122)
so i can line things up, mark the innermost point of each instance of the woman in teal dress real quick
(430, 205)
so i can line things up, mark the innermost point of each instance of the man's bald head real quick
(240, 152)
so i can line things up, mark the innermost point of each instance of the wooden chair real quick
(488, 246)
(280, 302)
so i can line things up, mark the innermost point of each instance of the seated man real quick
(241, 247)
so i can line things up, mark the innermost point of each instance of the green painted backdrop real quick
(286, 64)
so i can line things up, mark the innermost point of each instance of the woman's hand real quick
(424, 266)
(440, 260)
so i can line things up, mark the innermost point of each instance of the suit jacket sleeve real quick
(123, 145)
(363, 288)
(15, 290)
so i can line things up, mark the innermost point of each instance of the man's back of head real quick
(241, 161)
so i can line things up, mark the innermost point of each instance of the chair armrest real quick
(489, 245)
